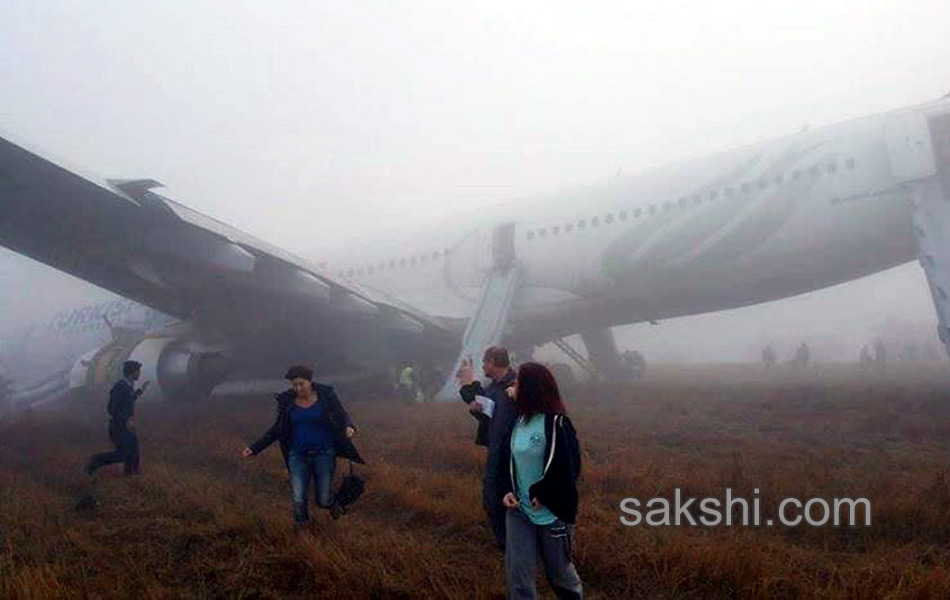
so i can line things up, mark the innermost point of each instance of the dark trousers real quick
(126, 450)
(493, 508)
(554, 544)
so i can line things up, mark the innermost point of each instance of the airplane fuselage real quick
(768, 221)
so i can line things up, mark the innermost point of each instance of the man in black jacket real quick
(493, 424)
(122, 399)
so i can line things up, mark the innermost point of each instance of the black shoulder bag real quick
(351, 488)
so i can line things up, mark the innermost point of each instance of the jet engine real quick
(178, 370)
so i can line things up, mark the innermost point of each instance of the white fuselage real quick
(764, 222)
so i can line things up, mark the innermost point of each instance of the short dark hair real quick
(130, 367)
(498, 355)
(537, 391)
(299, 372)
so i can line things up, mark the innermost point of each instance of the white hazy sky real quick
(321, 124)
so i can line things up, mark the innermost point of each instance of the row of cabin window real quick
(392, 264)
(695, 199)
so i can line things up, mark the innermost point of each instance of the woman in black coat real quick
(313, 429)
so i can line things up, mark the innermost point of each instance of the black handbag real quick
(351, 488)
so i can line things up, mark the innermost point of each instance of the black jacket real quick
(122, 399)
(497, 426)
(281, 430)
(557, 488)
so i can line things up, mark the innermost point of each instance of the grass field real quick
(202, 522)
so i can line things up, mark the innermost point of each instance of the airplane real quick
(763, 222)
(45, 351)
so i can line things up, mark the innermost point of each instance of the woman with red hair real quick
(538, 476)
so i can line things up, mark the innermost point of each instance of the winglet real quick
(134, 188)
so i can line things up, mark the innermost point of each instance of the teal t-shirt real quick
(527, 451)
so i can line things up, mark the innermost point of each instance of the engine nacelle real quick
(178, 370)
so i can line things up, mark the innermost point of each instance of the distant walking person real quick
(880, 352)
(122, 399)
(538, 471)
(313, 429)
(493, 409)
(864, 358)
(802, 356)
(768, 356)
(407, 385)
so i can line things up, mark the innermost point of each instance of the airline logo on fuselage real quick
(93, 317)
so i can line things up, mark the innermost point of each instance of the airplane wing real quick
(123, 236)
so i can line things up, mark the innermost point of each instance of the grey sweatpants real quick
(554, 543)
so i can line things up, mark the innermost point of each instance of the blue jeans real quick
(320, 464)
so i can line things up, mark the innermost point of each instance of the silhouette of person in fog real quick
(768, 356)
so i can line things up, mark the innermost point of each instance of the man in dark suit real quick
(494, 423)
(122, 399)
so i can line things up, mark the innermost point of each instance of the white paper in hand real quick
(487, 405)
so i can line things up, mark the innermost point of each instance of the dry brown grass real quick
(201, 522)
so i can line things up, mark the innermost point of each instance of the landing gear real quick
(931, 214)
(603, 361)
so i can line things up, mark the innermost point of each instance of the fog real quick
(315, 126)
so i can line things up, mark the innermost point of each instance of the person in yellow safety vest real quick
(407, 388)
